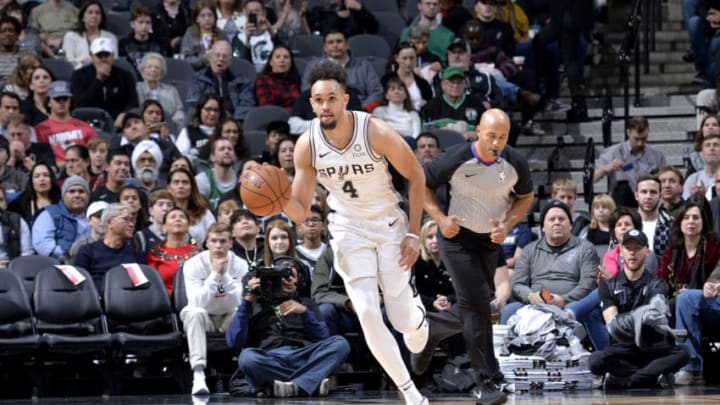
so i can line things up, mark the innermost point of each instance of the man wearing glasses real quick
(61, 130)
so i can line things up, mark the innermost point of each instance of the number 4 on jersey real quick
(350, 189)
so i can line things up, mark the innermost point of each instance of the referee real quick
(489, 191)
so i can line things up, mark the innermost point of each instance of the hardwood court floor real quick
(685, 395)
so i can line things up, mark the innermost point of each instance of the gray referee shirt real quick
(477, 191)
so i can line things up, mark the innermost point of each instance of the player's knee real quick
(368, 315)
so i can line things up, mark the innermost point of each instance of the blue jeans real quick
(305, 366)
(587, 312)
(509, 310)
(339, 321)
(692, 311)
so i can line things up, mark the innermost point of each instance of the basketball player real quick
(490, 191)
(373, 240)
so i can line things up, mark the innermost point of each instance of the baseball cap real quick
(451, 72)
(635, 235)
(458, 42)
(95, 208)
(130, 114)
(102, 44)
(59, 89)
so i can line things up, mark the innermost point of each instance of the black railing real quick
(588, 172)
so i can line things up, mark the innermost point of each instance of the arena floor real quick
(684, 395)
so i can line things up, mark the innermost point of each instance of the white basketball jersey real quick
(358, 181)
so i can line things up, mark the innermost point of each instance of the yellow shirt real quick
(520, 23)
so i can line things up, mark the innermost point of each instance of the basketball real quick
(265, 190)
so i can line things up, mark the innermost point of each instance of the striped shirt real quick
(479, 192)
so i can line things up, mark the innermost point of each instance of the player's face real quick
(492, 138)
(328, 100)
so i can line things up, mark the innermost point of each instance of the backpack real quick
(456, 376)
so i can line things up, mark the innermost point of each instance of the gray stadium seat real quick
(379, 65)
(122, 63)
(177, 71)
(307, 45)
(256, 141)
(411, 10)
(382, 5)
(118, 22)
(259, 117)
(369, 45)
(241, 67)
(391, 25)
(60, 68)
(447, 137)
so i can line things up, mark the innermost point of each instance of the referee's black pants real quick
(471, 258)
(639, 367)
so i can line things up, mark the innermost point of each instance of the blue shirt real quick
(518, 237)
(97, 258)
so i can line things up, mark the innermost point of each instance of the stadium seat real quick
(307, 45)
(382, 5)
(177, 71)
(301, 64)
(259, 117)
(60, 68)
(447, 137)
(98, 118)
(369, 45)
(18, 334)
(122, 63)
(27, 267)
(256, 142)
(411, 10)
(118, 22)
(379, 65)
(241, 67)
(391, 26)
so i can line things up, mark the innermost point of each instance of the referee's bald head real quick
(492, 132)
(495, 116)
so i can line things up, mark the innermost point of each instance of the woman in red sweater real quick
(170, 255)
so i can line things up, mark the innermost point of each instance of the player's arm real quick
(303, 185)
(384, 141)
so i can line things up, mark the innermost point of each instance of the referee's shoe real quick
(489, 394)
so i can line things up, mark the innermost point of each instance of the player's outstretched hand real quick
(449, 225)
(498, 231)
(409, 251)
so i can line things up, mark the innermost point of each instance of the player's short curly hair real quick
(329, 70)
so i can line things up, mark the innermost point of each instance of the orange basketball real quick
(265, 190)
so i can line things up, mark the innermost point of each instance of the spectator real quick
(201, 35)
(328, 291)
(225, 211)
(283, 156)
(9, 51)
(41, 191)
(597, 231)
(136, 200)
(405, 67)
(291, 20)
(656, 223)
(255, 42)
(230, 18)
(9, 108)
(236, 92)
(361, 75)
(98, 148)
(208, 113)
(171, 18)
(135, 131)
(276, 132)
(174, 252)
(146, 160)
(693, 251)
(428, 63)
(349, 16)
(213, 283)
(496, 32)
(90, 26)
(671, 188)
(635, 360)
(429, 16)
(396, 108)
(115, 248)
(34, 106)
(181, 185)
(625, 162)
(707, 143)
(53, 19)
(145, 239)
(153, 117)
(61, 130)
(118, 173)
(102, 85)
(59, 225)
(94, 219)
(220, 178)
(427, 147)
(230, 130)
(29, 41)
(279, 82)
(181, 162)
(245, 228)
(312, 230)
(702, 20)
(152, 68)
(279, 241)
(453, 109)
(18, 81)
(454, 15)
(23, 152)
(432, 280)
(288, 347)
(77, 163)
(565, 190)
(15, 238)
(560, 262)
(139, 42)
(12, 180)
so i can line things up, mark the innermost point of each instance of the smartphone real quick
(545, 295)
(252, 18)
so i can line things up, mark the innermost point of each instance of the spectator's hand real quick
(448, 225)
(252, 285)
(4, 264)
(102, 71)
(409, 251)
(711, 290)
(534, 298)
(291, 307)
(470, 136)
(349, 306)
(697, 188)
(603, 274)
(353, 5)
(498, 233)
(498, 304)
(303, 7)
(174, 42)
(436, 67)
(218, 265)
(441, 303)
(557, 301)
(616, 164)
(119, 120)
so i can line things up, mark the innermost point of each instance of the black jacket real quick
(115, 95)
